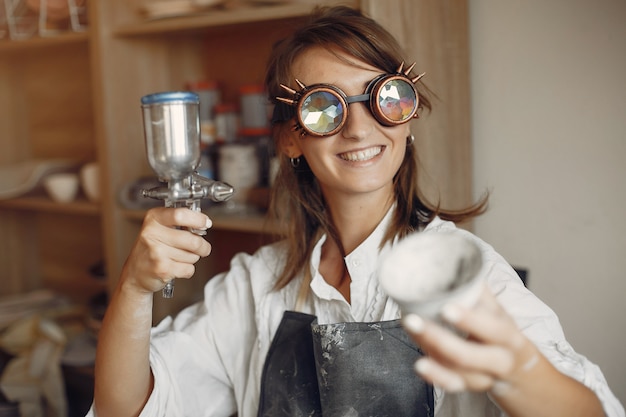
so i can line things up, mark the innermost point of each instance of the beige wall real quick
(549, 130)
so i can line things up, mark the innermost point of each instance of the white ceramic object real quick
(62, 187)
(427, 270)
(90, 180)
(20, 178)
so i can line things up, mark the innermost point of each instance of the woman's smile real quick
(362, 154)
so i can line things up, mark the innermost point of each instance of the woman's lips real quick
(361, 155)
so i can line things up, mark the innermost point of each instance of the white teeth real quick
(363, 155)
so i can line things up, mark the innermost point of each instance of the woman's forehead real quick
(332, 66)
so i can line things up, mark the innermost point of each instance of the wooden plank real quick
(435, 35)
(44, 204)
(56, 84)
(19, 253)
(244, 14)
(7, 45)
(69, 247)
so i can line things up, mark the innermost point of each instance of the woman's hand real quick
(494, 356)
(164, 250)
(494, 353)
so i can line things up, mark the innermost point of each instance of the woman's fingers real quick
(486, 321)
(168, 262)
(163, 226)
(484, 349)
(162, 238)
(455, 352)
(164, 249)
(454, 363)
(452, 381)
(179, 217)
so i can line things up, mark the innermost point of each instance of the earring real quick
(409, 140)
(295, 162)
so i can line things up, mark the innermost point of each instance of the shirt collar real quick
(360, 262)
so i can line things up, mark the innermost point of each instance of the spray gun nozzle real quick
(202, 188)
(216, 190)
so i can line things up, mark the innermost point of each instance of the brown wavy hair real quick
(297, 202)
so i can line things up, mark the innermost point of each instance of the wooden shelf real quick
(44, 204)
(254, 222)
(76, 95)
(80, 288)
(223, 17)
(8, 45)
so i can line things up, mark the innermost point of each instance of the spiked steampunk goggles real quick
(322, 109)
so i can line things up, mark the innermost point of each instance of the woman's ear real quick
(288, 143)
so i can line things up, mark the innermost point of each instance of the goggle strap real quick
(282, 112)
(356, 99)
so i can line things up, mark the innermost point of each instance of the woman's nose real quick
(359, 123)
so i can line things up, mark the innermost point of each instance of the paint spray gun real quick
(172, 134)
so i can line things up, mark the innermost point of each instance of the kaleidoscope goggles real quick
(322, 109)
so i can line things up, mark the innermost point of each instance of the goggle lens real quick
(321, 112)
(397, 100)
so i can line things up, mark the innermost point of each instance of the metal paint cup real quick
(172, 133)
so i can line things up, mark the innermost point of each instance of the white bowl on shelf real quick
(62, 187)
(90, 180)
(20, 178)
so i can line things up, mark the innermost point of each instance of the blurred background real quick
(530, 107)
(549, 142)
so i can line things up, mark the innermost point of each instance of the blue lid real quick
(170, 96)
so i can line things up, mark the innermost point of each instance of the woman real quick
(301, 327)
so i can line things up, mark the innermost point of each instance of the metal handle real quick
(168, 290)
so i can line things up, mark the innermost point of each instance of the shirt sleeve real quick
(541, 325)
(538, 322)
(190, 379)
(200, 359)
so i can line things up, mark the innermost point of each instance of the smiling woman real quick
(372, 162)
(302, 326)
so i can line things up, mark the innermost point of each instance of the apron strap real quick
(289, 380)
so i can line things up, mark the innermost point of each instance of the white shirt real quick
(208, 361)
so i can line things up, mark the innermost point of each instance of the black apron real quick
(342, 370)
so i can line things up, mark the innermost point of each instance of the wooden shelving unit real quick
(76, 95)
